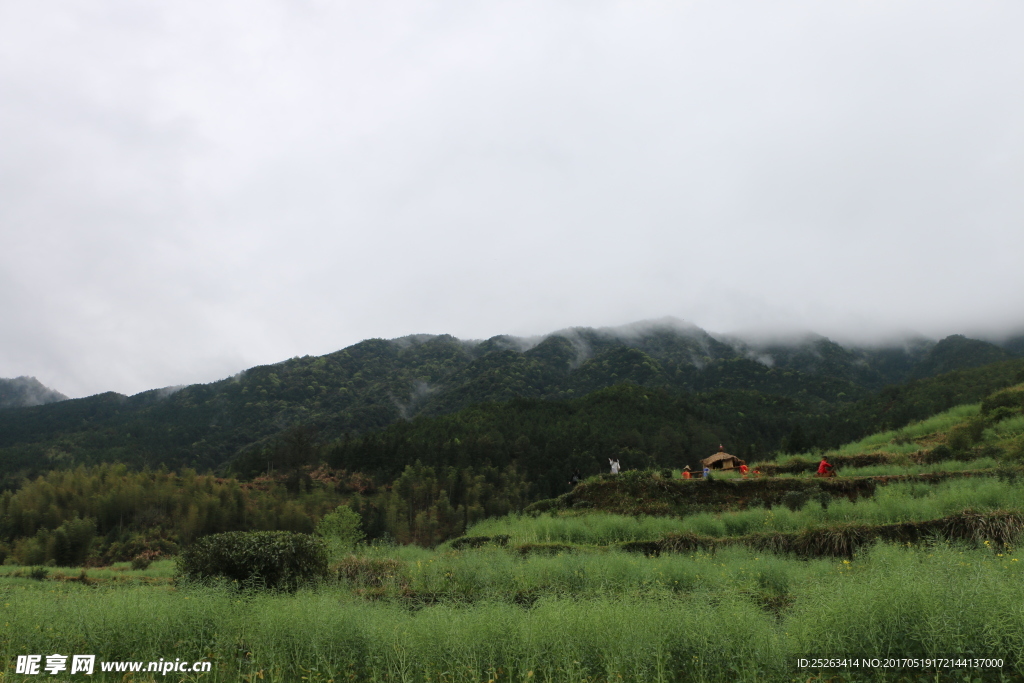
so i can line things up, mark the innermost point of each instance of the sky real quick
(191, 188)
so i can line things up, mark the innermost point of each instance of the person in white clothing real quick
(615, 465)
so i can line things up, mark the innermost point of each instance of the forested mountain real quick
(21, 392)
(640, 426)
(285, 407)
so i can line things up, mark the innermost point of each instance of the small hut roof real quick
(721, 455)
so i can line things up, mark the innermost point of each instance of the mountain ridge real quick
(377, 382)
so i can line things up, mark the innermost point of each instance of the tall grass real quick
(883, 442)
(161, 571)
(742, 616)
(901, 441)
(910, 468)
(896, 502)
(919, 602)
(597, 528)
(1009, 428)
(498, 574)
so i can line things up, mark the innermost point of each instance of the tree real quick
(341, 529)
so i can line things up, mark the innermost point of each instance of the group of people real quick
(687, 474)
(825, 469)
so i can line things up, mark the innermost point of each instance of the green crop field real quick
(598, 615)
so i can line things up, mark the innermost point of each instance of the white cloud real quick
(190, 188)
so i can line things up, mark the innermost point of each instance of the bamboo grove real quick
(97, 515)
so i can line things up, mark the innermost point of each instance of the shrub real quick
(29, 551)
(256, 559)
(795, 500)
(148, 542)
(69, 543)
(342, 529)
(999, 414)
(902, 437)
(369, 571)
(1012, 399)
(959, 439)
(143, 560)
(1007, 474)
(38, 573)
(939, 453)
(976, 429)
(1014, 451)
(477, 541)
(634, 476)
(542, 505)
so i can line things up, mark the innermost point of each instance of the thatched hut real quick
(722, 460)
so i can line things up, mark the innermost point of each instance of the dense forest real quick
(104, 514)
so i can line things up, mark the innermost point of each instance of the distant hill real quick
(957, 352)
(378, 382)
(22, 392)
(1014, 345)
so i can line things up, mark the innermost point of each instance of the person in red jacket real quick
(824, 468)
(686, 473)
(744, 469)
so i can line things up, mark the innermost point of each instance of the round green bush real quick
(256, 559)
(795, 500)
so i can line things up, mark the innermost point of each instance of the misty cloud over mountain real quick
(22, 392)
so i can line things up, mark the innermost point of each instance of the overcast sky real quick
(189, 188)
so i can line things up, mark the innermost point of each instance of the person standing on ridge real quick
(614, 464)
